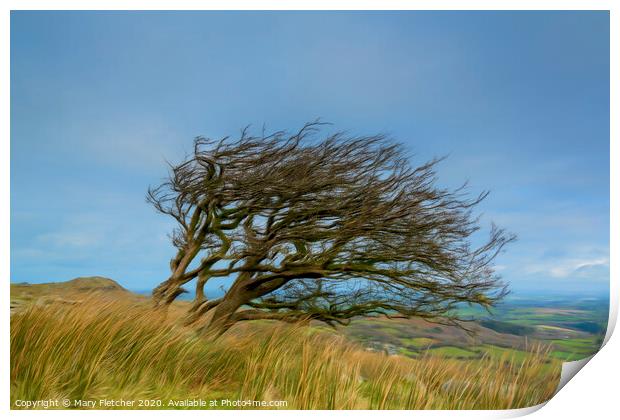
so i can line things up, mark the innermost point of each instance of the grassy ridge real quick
(110, 347)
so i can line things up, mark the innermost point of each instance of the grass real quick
(500, 352)
(564, 355)
(407, 352)
(451, 351)
(418, 342)
(575, 348)
(118, 348)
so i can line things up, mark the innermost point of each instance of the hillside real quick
(67, 292)
(571, 330)
(108, 348)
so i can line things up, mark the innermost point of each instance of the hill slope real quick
(108, 347)
(67, 292)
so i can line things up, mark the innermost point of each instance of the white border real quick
(593, 394)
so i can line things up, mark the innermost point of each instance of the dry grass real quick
(105, 348)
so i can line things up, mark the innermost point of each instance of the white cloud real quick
(571, 267)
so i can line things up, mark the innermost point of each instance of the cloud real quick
(563, 268)
(589, 271)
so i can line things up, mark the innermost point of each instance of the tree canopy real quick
(322, 227)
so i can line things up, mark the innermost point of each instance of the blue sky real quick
(519, 101)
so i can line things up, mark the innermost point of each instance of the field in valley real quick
(572, 329)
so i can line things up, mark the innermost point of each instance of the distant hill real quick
(79, 283)
(93, 283)
(67, 291)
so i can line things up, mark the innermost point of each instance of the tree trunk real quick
(223, 314)
(222, 318)
(167, 291)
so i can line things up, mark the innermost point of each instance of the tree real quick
(325, 229)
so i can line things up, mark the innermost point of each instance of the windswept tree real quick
(322, 228)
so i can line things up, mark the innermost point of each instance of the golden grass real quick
(106, 348)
